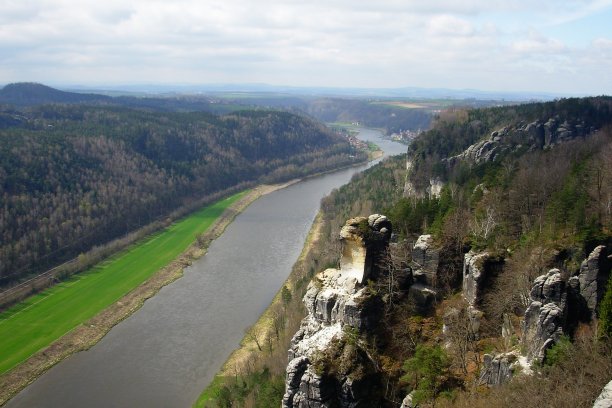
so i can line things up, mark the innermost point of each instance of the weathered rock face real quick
(410, 189)
(498, 369)
(407, 402)
(336, 299)
(424, 265)
(605, 398)
(425, 261)
(545, 316)
(593, 277)
(363, 241)
(435, 187)
(473, 276)
(535, 135)
(559, 303)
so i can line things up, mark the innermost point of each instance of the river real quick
(167, 352)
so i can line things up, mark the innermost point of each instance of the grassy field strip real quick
(40, 320)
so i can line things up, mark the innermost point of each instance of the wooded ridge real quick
(76, 176)
(495, 289)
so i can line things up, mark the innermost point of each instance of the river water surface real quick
(167, 352)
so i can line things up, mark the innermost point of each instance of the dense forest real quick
(75, 176)
(539, 203)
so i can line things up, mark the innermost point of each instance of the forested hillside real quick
(507, 194)
(489, 308)
(77, 176)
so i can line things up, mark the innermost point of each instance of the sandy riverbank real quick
(264, 326)
(89, 333)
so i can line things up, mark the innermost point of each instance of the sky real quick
(558, 46)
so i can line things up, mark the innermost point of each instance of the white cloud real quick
(536, 43)
(471, 43)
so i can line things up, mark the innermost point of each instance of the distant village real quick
(405, 135)
(356, 143)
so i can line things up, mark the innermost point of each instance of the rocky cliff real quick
(559, 302)
(513, 202)
(339, 305)
(539, 134)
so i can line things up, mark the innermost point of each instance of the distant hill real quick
(31, 93)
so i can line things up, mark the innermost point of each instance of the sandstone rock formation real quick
(363, 241)
(407, 402)
(337, 301)
(593, 277)
(498, 369)
(474, 276)
(425, 261)
(558, 304)
(534, 135)
(545, 316)
(435, 187)
(605, 398)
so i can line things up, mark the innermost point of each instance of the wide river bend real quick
(167, 352)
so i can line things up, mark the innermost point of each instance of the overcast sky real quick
(498, 45)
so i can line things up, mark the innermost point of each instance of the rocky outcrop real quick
(605, 398)
(593, 278)
(477, 269)
(559, 303)
(410, 189)
(363, 241)
(474, 276)
(545, 316)
(499, 368)
(425, 261)
(483, 151)
(337, 302)
(407, 402)
(435, 187)
(535, 135)
(424, 265)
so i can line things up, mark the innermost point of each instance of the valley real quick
(194, 324)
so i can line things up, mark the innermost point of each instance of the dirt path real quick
(89, 333)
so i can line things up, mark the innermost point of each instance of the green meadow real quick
(41, 319)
